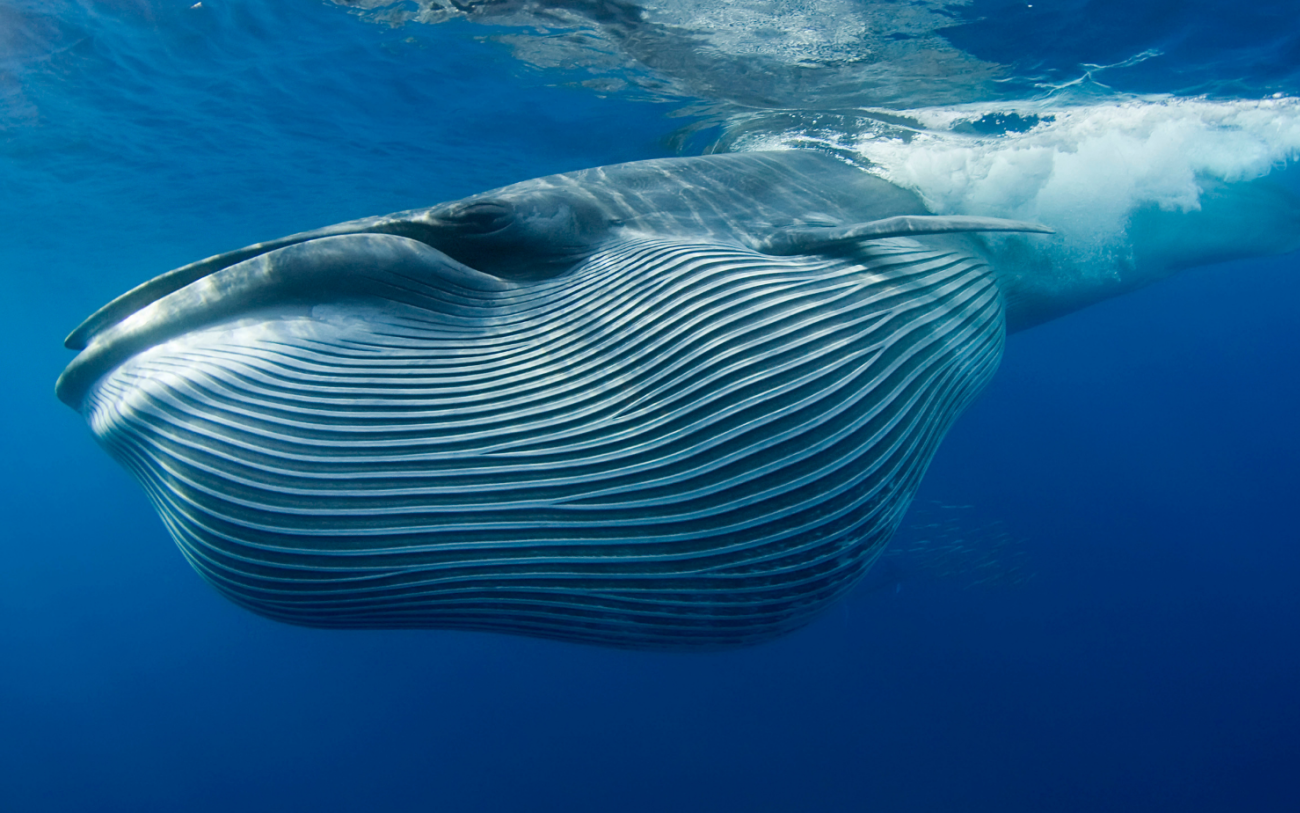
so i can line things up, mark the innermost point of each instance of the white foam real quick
(1087, 168)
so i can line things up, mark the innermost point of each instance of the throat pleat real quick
(674, 445)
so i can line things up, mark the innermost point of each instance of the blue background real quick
(1146, 450)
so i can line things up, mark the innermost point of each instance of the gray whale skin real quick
(678, 403)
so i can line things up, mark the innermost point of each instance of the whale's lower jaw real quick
(675, 445)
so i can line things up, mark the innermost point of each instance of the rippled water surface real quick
(1091, 605)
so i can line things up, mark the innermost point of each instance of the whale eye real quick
(479, 217)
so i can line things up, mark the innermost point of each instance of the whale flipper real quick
(802, 240)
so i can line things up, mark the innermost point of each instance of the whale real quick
(679, 403)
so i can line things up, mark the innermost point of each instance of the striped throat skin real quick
(674, 444)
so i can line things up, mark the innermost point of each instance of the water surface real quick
(1131, 472)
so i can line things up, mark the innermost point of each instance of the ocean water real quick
(1092, 605)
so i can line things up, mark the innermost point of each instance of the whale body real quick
(677, 403)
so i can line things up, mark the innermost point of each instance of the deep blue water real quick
(1145, 451)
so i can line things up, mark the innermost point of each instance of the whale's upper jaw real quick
(538, 227)
(282, 280)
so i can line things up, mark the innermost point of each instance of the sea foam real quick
(1084, 169)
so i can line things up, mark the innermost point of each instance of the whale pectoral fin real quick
(802, 240)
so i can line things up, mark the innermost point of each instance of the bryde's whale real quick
(675, 403)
